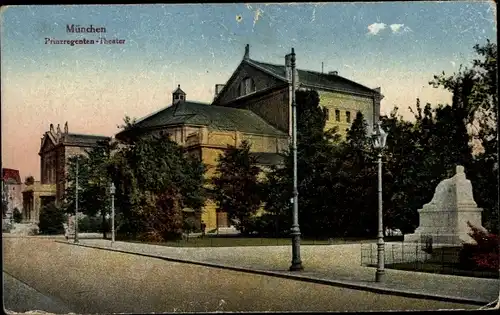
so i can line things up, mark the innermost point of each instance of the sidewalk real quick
(337, 265)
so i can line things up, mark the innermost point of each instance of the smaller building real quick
(56, 147)
(12, 191)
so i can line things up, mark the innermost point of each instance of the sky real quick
(397, 46)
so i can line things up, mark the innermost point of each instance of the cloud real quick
(399, 28)
(375, 28)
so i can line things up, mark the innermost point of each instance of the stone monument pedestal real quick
(445, 218)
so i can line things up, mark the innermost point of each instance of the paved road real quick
(95, 281)
(19, 297)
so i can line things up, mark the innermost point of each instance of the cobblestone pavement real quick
(97, 281)
(330, 262)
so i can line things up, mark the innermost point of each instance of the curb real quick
(337, 283)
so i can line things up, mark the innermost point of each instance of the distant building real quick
(55, 149)
(12, 191)
(266, 89)
(205, 131)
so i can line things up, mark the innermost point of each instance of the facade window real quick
(327, 113)
(348, 117)
(247, 86)
(181, 97)
(337, 115)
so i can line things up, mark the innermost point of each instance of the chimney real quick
(333, 73)
(247, 52)
(218, 88)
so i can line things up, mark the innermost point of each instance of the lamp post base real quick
(296, 261)
(379, 276)
(296, 267)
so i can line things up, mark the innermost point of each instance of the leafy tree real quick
(475, 102)
(236, 187)
(51, 220)
(277, 220)
(317, 167)
(83, 180)
(155, 181)
(128, 123)
(93, 180)
(359, 176)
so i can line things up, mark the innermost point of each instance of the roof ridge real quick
(87, 135)
(316, 73)
(267, 63)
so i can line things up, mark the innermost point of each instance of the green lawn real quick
(228, 241)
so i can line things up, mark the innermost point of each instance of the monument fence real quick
(421, 256)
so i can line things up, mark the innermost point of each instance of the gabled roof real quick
(314, 79)
(9, 174)
(73, 139)
(307, 79)
(178, 90)
(201, 114)
(82, 139)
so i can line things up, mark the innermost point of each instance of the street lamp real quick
(76, 202)
(379, 139)
(112, 191)
(296, 262)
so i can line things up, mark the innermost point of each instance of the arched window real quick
(247, 86)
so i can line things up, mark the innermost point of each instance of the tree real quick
(51, 220)
(317, 165)
(155, 180)
(236, 186)
(93, 180)
(357, 181)
(83, 180)
(475, 102)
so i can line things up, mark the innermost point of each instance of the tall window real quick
(247, 86)
(337, 115)
(348, 117)
(327, 113)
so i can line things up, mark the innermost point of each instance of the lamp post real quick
(296, 262)
(76, 202)
(112, 191)
(379, 139)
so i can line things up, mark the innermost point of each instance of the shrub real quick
(51, 220)
(483, 254)
(189, 224)
(88, 224)
(17, 215)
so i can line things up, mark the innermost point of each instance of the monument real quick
(445, 218)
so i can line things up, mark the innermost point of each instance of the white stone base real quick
(450, 239)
